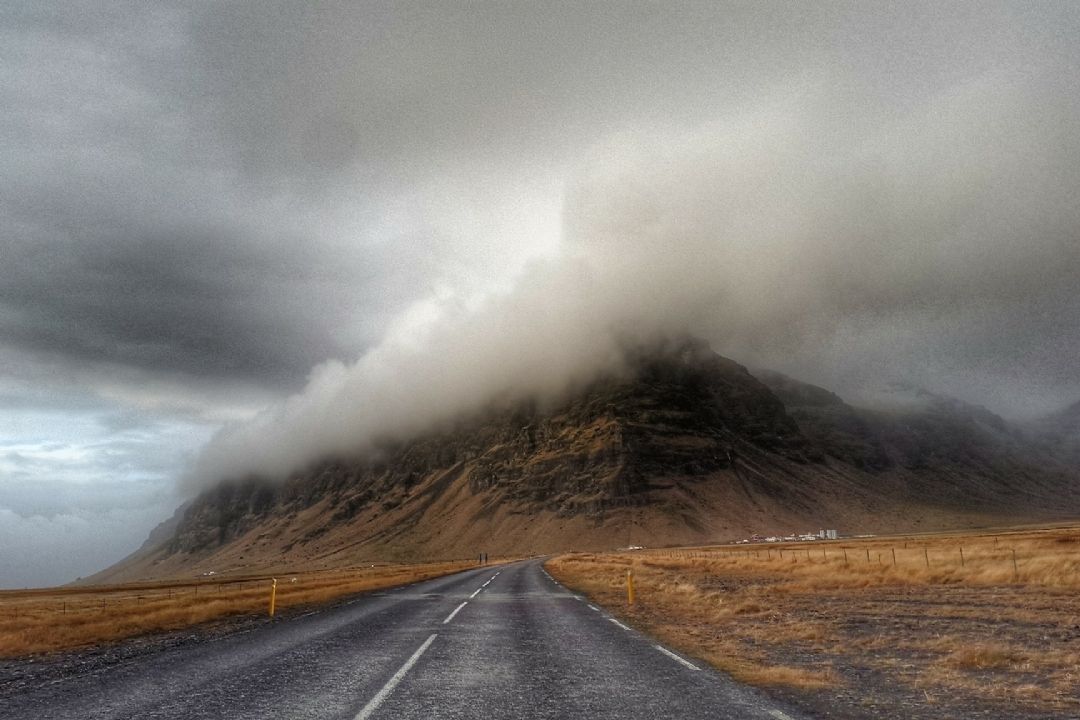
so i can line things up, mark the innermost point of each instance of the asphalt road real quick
(495, 642)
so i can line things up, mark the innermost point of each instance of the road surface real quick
(494, 642)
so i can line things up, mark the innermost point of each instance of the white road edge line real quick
(678, 659)
(618, 623)
(594, 607)
(779, 715)
(456, 611)
(392, 683)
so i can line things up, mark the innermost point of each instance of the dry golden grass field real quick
(33, 621)
(958, 625)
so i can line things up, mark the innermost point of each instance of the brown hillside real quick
(688, 447)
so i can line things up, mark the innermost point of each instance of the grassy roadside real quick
(934, 624)
(44, 620)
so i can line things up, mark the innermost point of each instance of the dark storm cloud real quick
(177, 173)
(131, 238)
(197, 302)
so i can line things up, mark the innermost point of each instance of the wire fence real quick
(1054, 561)
(142, 599)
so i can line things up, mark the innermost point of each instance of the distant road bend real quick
(487, 643)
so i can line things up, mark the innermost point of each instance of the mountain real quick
(1059, 434)
(684, 446)
(962, 454)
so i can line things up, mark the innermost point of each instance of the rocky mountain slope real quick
(1058, 434)
(685, 446)
(963, 455)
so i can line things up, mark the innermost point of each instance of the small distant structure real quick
(808, 536)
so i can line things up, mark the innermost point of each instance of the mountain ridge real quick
(688, 446)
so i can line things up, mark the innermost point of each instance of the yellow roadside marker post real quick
(273, 596)
(629, 587)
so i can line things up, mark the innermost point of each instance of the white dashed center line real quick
(624, 627)
(476, 592)
(392, 683)
(456, 611)
(779, 715)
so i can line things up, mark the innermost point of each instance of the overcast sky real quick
(226, 226)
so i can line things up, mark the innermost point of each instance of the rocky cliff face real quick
(683, 446)
(1059, 433)
(681, 411)
(961, 454)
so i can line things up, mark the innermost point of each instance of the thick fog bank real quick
(941, 247)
